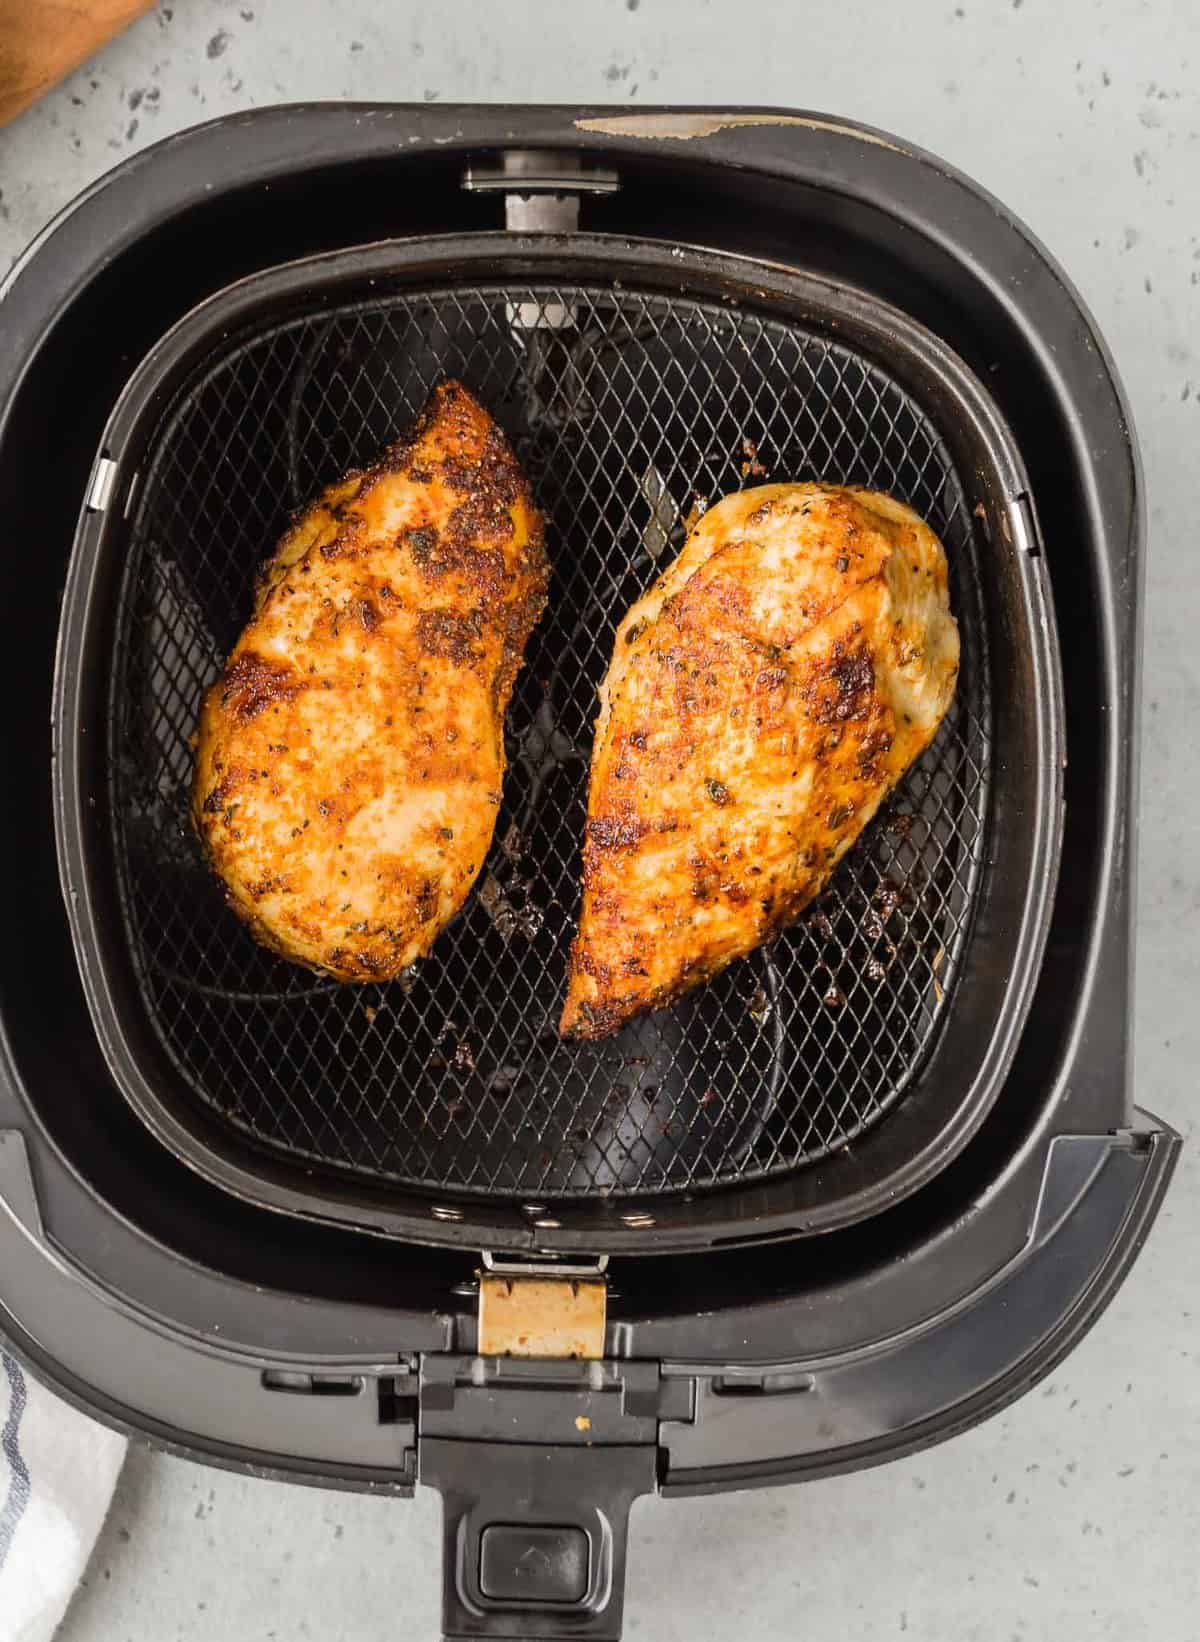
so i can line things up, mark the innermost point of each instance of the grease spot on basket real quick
(683, 127)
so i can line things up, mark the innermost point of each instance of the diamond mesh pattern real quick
(625, 408)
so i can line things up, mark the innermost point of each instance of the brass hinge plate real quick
(541, 1316)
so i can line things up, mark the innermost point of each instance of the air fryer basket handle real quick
(534, 1537)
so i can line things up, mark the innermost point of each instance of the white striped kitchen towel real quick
(58, 1470)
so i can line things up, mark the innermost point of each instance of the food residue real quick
(760, 1006)
(751, 465)
(696, 512)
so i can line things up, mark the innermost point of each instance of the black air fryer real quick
(854, 1196)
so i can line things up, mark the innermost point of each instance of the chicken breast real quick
(763, 698)
(349, 758)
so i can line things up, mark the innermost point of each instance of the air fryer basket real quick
(842, 1064)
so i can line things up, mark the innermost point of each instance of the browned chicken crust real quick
(763, 698)
(349, 758)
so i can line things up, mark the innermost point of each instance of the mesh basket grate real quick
(626, 409)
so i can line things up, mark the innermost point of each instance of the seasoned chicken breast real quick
(763, 698)
(349, 758)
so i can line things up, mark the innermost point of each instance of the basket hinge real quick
(541, 189)
(542, 1309)
(502, 1399)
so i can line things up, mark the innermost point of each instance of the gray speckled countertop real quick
(1076, 1514)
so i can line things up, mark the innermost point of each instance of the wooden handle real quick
(43, 40)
